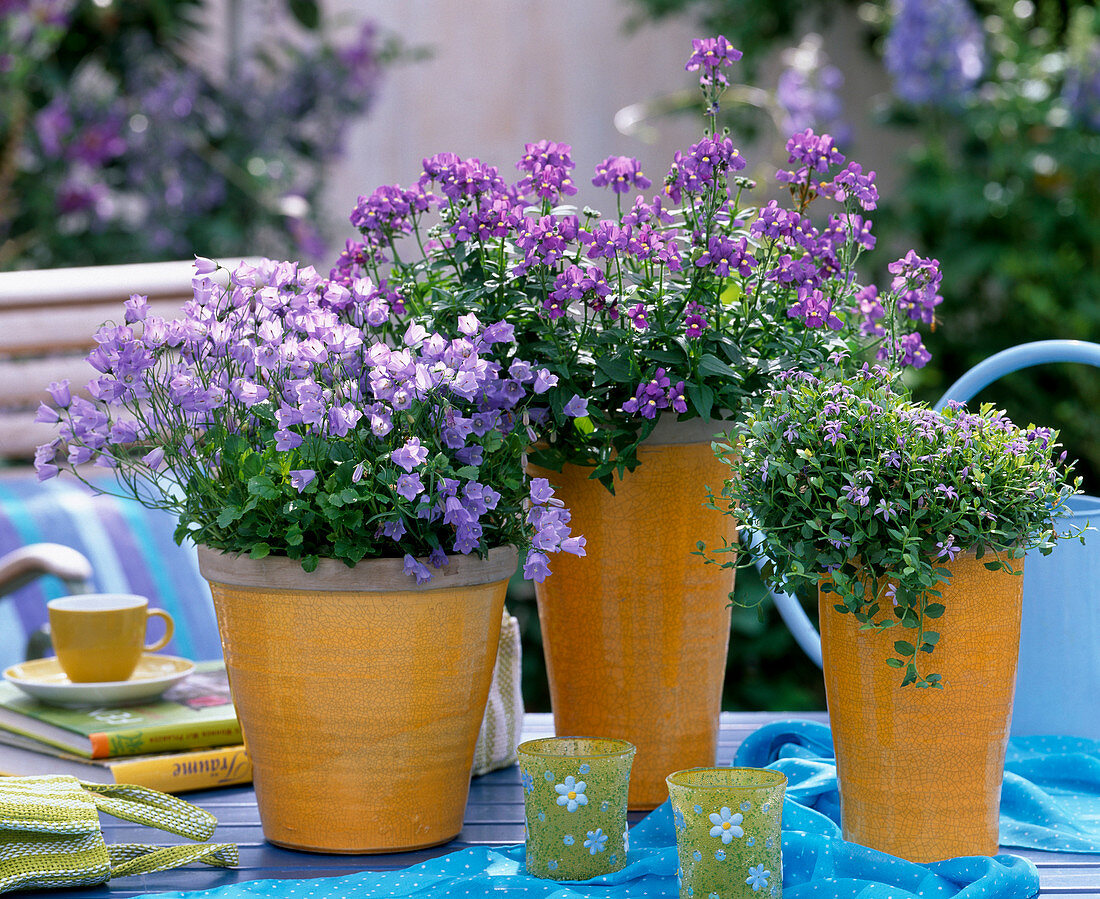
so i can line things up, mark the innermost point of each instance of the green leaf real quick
(895, 663)
(584, 424)
(904, 647)
(469, 472)
(263, 487)
(702, 398)
(307, 12)
(259, 551)
(712, 365)
(229, 515)
(616, 367)
(934, 610)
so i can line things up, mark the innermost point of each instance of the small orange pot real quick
(636, 632)
(920, 769)
(359, 692)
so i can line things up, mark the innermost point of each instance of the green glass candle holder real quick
(574, 798)
(728, 823)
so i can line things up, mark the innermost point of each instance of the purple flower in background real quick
(907, 350)
(808, 91)
(1081, 90)
(637, 315)
(621, 173)
(935, 51)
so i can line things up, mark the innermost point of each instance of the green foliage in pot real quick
(851, 485)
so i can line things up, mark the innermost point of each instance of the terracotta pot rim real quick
(765, 778)
(368, 576)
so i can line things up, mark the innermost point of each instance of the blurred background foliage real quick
(128, 135)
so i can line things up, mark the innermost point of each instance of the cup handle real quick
(169, 628)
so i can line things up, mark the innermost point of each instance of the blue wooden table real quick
(494, 816)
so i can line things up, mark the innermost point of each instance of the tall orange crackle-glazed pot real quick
(636, 632)
(359, 692)
(920, 769)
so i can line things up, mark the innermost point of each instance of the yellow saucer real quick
(45, 681)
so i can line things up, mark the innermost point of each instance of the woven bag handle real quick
(155, 809)
(140, 858)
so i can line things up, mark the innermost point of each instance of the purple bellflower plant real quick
(271, 419)
(683, 303)
(846, 478)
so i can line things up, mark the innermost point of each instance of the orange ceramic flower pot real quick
(635, 633)
(920, 769)
(359, 693)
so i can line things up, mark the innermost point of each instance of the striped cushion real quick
(131, 550)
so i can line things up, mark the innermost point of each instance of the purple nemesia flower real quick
(637, 316)
(694, 322)
(548, 164)
(711, 54)
(621, 173)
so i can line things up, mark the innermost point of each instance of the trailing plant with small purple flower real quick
(679, 305)
(847, 480)
(271, 422)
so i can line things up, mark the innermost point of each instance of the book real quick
(196, 713)
(169, 772)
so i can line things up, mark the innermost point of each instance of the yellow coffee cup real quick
(100, 637)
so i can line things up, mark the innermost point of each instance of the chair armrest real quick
(21, 566)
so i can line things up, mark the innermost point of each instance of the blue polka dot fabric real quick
(1050, 800)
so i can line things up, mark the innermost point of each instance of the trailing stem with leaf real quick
(682, 305)
(855, 489)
